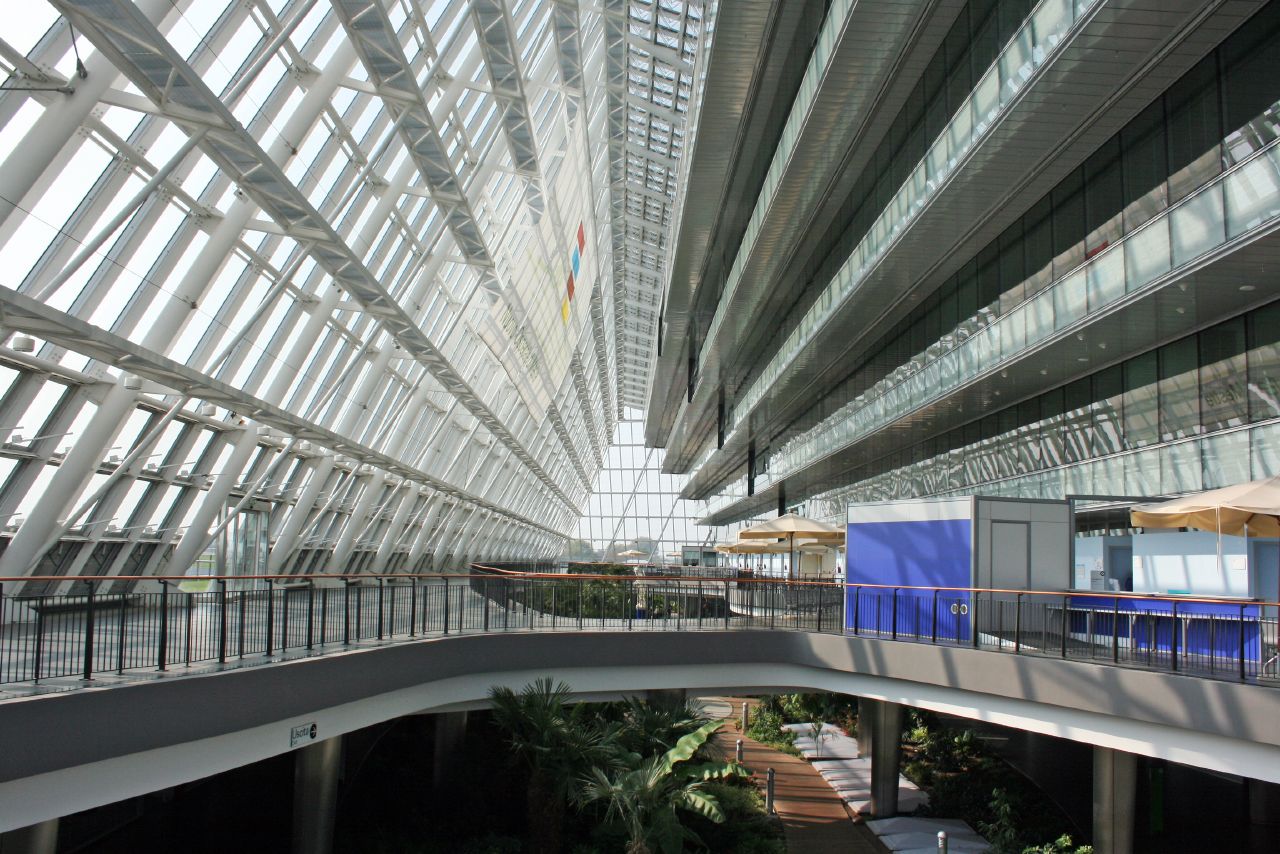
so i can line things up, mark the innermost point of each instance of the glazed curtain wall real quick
(1223, 378)
(1165, 153)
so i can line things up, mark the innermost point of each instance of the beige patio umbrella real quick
(1244, 508)
(791, 526)
(630, 553)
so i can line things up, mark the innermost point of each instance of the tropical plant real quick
(655, 725)
(647, 795)
(557, 744)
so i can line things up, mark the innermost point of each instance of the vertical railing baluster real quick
(186, 646)
(121, 625)
(857, 602)
(311, 613)
(37, 669)
(446, 604)
(382, 588)
(88, 631)
(346, 612)
(162, 651)
(933, 635)
(242, 609)
(1173, 638)
(1066, 601)
(895, 614)
(1242, 670)
(271, 617)
(1017, 624)
(222, 620)
(413, 608)
(1115, 629)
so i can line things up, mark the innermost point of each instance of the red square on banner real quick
(582, 238)
(570, 286)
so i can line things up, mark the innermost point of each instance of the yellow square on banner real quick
(564, 309)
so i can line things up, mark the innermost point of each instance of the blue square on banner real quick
(575, 262)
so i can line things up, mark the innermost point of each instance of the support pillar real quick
(864, 729)
(1264, 802)
(451, 732)
(1115, 783)
(672, 696)
(884, 722)
(39, 838)
(315, 795)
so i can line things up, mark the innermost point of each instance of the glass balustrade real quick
(1244, 198)
(1032, 46)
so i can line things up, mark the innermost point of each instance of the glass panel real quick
(1197, 225)
(1253, 193)
(1146, 255)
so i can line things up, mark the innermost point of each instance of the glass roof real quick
(414, 248)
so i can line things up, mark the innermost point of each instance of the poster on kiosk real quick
(904, 555)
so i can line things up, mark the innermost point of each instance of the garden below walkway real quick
(813, 817)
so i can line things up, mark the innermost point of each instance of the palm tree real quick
(557, 744)
(654, 726)
(647, 796)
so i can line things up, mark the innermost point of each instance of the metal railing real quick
(170, 623)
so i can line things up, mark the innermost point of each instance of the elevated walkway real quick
(83, 744)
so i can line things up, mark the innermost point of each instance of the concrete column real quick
(39, 838)
(674, 696)
(864, 728)
(885, 728)
(315, 795)
(1115, 784)
(451, 731)
(1264, 802)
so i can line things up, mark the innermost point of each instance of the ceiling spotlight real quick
(207, 410)
(23, 344)
(1248, 288)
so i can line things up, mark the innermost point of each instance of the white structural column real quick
(196, 537)
(59, 121)
(885, 721)
(282, 548)
(67, 482)
(409, 493)
(425, 530)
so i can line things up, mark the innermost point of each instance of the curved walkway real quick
(813, 817)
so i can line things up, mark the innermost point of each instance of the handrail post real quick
(271, 617)
(1017, 624)
(821, 592)
(124, 607)
(382, 590)
(1115, 629)
(1242, 643)
(579, 604)
(186, 637)
(311, 612)
(346, 612)
(726, 603)
(413, 608)
(857, 600)
(895, 614)
(162, 653)
(88, 631)
(484, 596)
(1173, 638)
(39, 637)
(934, 634)
(445, 579)
(222, 619)
(699, 602)
(1066, 601)
(243, 609)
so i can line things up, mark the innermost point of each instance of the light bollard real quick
(768, 793)
(738, 752)
(942, 842)
(745, 716)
